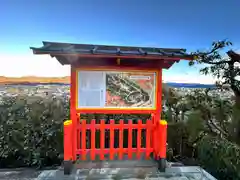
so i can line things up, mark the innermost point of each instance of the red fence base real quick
(98, 138)
(86, 143)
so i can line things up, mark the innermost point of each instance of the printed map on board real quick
(130, 89)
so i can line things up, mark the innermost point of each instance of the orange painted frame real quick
(118, 110)
(156, 113)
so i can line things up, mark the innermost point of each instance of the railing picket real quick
(121, 140)
(83, 138)
(78, 139)
(148, 138)
(139, 138)
(130, 139)
(93, 130)
(102, 139)
(111, 139)
(78, 135)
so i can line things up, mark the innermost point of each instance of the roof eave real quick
(102, 55)
(48, 43)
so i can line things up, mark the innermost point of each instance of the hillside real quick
(33, 79)
(66, 80)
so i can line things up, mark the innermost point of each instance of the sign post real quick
(114, 80)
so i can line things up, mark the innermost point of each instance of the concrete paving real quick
(109, 173)
(110, 170)
(19, 174)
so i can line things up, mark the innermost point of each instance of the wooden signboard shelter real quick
(114, 80)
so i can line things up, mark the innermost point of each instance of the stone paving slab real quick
(126, 174)
(19, 174)
(126, 170)
(110, 171)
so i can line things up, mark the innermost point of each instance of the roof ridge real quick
(115, 46)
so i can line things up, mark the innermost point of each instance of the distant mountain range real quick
(32, 80)
(190, 85)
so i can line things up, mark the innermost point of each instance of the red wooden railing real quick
(155, 139)
(82, 150)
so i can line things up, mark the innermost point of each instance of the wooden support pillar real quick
(160, 130)
(73, 113)
(67, 141)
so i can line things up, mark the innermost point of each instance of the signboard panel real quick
(116, 89)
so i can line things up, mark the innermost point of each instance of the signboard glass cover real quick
(112, 89)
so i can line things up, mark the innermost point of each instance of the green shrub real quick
(31, 132)
(220, 157)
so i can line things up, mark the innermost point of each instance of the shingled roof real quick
(61, 50)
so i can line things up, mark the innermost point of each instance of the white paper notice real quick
(91, 89)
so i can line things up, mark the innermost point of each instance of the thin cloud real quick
(45, 66)
(188, 78)
(31, 65)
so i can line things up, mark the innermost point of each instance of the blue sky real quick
(171, 23)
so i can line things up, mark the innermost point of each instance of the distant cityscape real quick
(62, 89)
(170, 84)
(189, 85)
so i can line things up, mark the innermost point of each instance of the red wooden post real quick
(73, 113)
(159, 94)
(139, 138)
(154, 135)
(78, 132)
(162, 130)
(111, 139)
(83, 139)
(102, 139)
(68, 154)
(130, 139)
(157, 115)
(148, 138)
(93, 129)
(121, 139)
